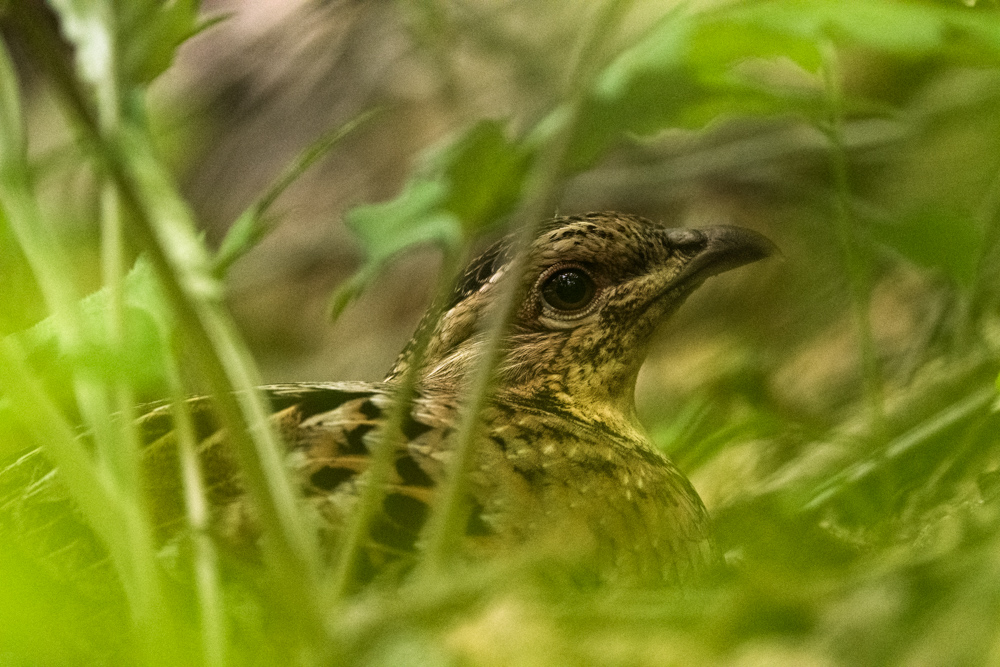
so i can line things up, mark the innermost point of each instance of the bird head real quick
(592, 290)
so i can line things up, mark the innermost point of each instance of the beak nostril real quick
(726, 248)
(682, 237)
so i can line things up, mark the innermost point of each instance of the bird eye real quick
(569, 289)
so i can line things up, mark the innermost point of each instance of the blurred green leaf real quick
(984, 29)
(722, 40)
(252, 225)
(145, 32)
(795, 29)
(936, 237)
(87, 25)
(147, 326)
(457, 191)
(150, 31)
(887, 25)
(683, 73)
(417, 216)
(484, 173)
(640, 92)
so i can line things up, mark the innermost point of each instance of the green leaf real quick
(724, 40)
(484, 173)
(982, 28)
(417, 216)
(86, 24)
(795, 28)
(150, 31)
(886, 25)
(681, 74)
(641, 92)
(147, 327)
(135, 39)
(935, 237)
(719, 42)
(350, 290)
(253, 224)
(457, 191)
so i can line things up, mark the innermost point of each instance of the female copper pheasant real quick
(563, 464)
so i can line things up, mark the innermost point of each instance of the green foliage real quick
(640, 92)
(899, 28)
(251, 226)
(147, 326)
(858, 527)
(150, 31)
(456, 193)
(942, 239)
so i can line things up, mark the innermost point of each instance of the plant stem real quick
(251, 225)
(115, 516)
(447, 523)
(857, 275)
(210, 603)
(983, 291)
(389, 439)
(165, 230)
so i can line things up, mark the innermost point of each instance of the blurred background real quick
(781, 338)
(250, 93)
(834, 407)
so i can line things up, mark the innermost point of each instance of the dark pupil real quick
(570, 289)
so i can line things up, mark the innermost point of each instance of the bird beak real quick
(724, 248)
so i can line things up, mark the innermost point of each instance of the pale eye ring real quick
(568, 290)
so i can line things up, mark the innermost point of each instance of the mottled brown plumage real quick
(563, 464)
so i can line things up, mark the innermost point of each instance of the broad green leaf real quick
(795, 28)
(147, 326)
(889, 25)
(640, 92)
(456, 192)
(982, 27)
(461, 188)
(737, 98)
(719, 42)
(417, 216)
(150, 33)
(484, 172)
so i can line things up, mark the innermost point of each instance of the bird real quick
(562, 464)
